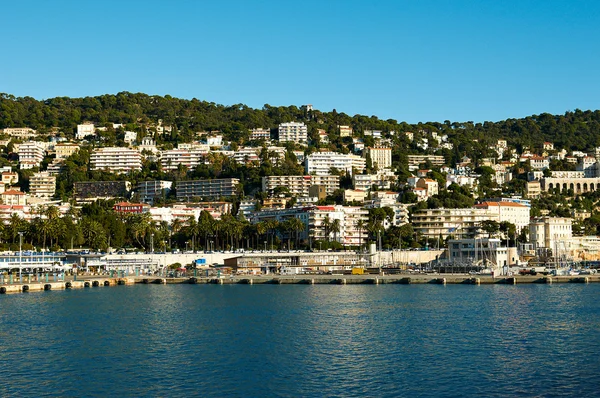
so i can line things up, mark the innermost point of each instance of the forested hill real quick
(574, 130)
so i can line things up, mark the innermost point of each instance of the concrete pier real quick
(402, 279)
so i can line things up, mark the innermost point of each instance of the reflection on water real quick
(291, 341)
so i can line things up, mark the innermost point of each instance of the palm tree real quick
(15, 225)
(296, 225)
(335, 228)
(360, 225)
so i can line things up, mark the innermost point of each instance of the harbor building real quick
(442, 223)
(550, 232)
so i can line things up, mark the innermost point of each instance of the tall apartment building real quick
(215, 188)
(436, 223)
(171, 159)
(149, 190)
(116, 159)
(320, 163)
(85, 129)
(91, 190)
(42, 185)
(300, 185)
(31, 154)
(65, 150)
(20, 132)
(260, 134)
(293, 131)
(380, 157)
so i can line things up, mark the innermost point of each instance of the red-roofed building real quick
(14, 197)
(131, 208)
(514, 213)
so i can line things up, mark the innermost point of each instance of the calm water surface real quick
(302, 341)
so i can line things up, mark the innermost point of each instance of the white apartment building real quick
(320, 163)
(149, 190)
(293, 132)
(10, 178)
(116, 159)
(65, 150)
(20, 132)
(300, 185)
(260, 134)
(85, 129)
(380, 157)
(514, 213)
(31, 154)
(171, 159)
(550, 232)
(435, 223)
(42, 185)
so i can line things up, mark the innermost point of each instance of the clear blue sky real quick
(415, 60)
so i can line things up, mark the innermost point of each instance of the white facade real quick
(171, 159)
(320, 163)
(435, 223)
(549, 232)
(130, 136)
(31, 153)
(42, 185)
(380, 157)
(260, 134)
(20, 132)
(514, 213)
(83, 130)
(299, 185)
(293, 132)
(116, 159)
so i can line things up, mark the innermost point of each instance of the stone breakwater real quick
(438, 279)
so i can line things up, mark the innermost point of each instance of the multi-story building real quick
(56, 166)
(260, 134)
(321, 163)
(380, 157)
(31, 154)
(345, 131)
(20, 132)
(92, 190)
(215, 188)
(293, 132)
(85, 129)
(416, 160)
(515, 213)
(131, 208)
(10, 178)
(436, 223)
(431, 186)
(533, 190)
(65, 150)
(323, 218)
(14, 197)
(171, 159)
(148, 191)
(550, 232)
(42, 185)
(300, 185)
(116, 159)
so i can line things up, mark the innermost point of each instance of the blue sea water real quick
(302, 341)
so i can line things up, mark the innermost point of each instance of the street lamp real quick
(265, 246)
(20, 253)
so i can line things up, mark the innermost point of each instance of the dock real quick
(403, 279)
